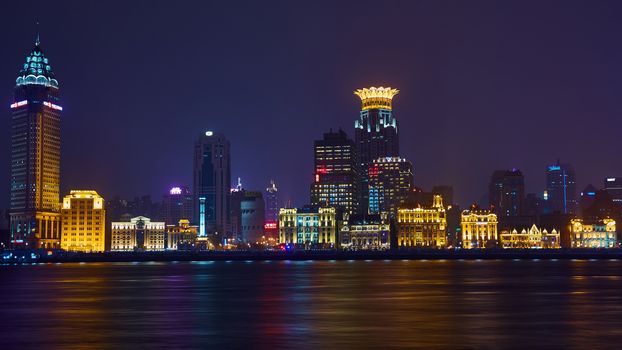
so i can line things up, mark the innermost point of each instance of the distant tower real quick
(272, 202)
(375, 132)
(561, 189)
(336, 176)
(177, 204)
(212, 184)
(506, 192)
(35, 155)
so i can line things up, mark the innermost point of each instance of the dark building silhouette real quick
(561, 193)
(506, 192)
(375, 133)
(445, 191)
(336, 175)
(212, 185)
(586, 198)
(272, 203)
(613, 186)
(177, 204)
(533, 205)
(35, 155)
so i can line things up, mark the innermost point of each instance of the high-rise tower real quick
(272, 202)
(336, 177)
(561, 189)
(506, 192)
(35, 155)
(375, 132)
(212, 184)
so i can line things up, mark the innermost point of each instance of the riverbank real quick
(413, 254)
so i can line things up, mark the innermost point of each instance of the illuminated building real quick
(365, 232)
(212, 185)
(506, 192)
(423, 226)
(479, 229)
(533, 237)
(593, 233)
(35, 155)
(177, 204)
(83, 222)
(271, 230)
(336, 177)
(561, 189)
(140, 233)
(308, 227)
(390, 181)
(375, 132)
(272, 202)
(181, 236)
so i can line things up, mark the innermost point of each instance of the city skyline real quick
(125, 118)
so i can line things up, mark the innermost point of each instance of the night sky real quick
(484, 85)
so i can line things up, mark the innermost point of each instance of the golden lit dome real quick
(376, 97)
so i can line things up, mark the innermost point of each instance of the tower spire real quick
(37, 41)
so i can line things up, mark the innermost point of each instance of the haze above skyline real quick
(483, 85)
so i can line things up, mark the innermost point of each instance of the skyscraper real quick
(212, 184)
(336, 176)
(375, 132)
(390, 181)
(35, 155)
(506, 192)
(272, 203)
(177, 204)
(561, 189)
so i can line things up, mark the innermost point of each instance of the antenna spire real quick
(37, 40)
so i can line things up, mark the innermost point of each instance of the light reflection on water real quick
(319, 304)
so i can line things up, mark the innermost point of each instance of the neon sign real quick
(19, 104)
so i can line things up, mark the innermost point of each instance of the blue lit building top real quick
(37, 69)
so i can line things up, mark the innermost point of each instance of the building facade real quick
(561, 192)
(308, 227)
(365, 232)
(177, 204)
(390, 181)
(506, 192)
(138, 234)
(375, 133)
(83, 218)
(212, 185)
(181, 236)
(423, 227)
(530, 238)
(336, 175)
(479, 229)
(35, 155)
(593, 234)
(247, 215)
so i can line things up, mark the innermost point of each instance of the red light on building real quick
(270, 225)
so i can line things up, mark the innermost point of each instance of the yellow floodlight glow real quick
(376, 97)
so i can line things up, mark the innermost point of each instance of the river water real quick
(521, 304)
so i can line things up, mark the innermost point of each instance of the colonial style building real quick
(181, 236)
(533, 237)
(479, 229)
(308, 227)
(364, 232)
(593, 234)
(422, 227)
(140, 233)
(83, 220)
